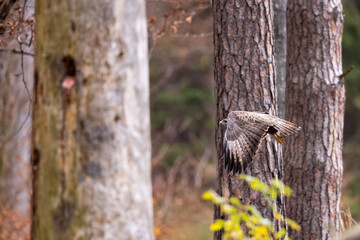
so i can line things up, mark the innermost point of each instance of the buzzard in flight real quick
(244, 132)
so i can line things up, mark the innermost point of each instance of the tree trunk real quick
(245, 80)
(15, 123)
(280, 52)
(91, 129)
(315, 100)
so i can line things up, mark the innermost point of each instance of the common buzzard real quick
(243, 135)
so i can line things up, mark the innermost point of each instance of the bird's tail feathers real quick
(286, 127)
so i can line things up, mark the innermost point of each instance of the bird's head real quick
(223, 122)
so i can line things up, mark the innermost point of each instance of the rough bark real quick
(91, 141)
(280, 52)
(245, 80)
(315, 100)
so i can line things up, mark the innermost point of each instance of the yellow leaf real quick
(262, 230)
(293, 224)
(235, 201)
(280, 234)
(278, 216)
(218, 225)
(209, 195)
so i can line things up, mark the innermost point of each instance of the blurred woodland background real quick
(183, 113)
(182, 117)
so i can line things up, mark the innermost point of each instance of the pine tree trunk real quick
(91, 129)
(315, 98)
(245, 80)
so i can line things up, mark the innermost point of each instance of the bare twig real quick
(163, 80)
(23, 9)
(199, 35)
(347, 71)
(171, 177)
(201, 167)
(16, 51)
(23, 74)
(28, 93)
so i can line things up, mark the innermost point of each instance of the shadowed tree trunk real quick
(315, 100)
(245, 80)
(91, 129)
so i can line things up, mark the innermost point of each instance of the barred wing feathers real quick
(243, 135)
(241, 142)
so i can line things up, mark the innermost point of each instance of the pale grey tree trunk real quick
(91, 141)
(280, 52)
(16, 77)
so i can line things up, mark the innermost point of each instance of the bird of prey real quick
(244, 132)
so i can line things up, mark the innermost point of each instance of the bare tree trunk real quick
(91, 131)
(15, 123)
(280, 51)
(245, 80)
(315, 100)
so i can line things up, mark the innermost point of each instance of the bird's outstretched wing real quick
(241, 141)
(243, 135)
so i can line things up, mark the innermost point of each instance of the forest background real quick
(182, 116)
(182, 119)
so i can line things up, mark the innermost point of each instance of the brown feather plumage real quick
(243, 135)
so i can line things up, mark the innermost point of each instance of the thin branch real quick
(16, 51)
(23, 9)
(23, 74)
(28, 93)
(347, 71)
(200, 35)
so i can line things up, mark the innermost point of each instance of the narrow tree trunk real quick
(15, 123)
(245, 80)
(91, 131)
(280, 52)
(315, 101)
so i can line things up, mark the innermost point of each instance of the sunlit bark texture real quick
(91, 133)
(245, 80)
(315, 100)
